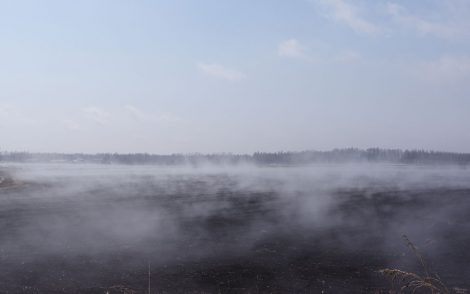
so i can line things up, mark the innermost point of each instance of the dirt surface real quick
(5, 180)
(210, 234)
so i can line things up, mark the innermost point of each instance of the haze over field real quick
(235, 146)
(86, 228)
(233, 76)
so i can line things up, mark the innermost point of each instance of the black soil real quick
(103, 238)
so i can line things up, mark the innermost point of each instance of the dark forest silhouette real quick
(263, 158)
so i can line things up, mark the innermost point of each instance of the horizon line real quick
(241, 153)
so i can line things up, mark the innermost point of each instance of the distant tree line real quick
(262, 158)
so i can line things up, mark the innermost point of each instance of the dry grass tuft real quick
(411, 282)
(119, 289)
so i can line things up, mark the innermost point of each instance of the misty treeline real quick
(261, 158)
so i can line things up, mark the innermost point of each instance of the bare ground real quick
(238, 242)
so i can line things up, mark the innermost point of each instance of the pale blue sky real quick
(234, 76)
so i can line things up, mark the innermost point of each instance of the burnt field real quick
(331, 228)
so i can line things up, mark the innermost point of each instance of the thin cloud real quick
(97, 115)
(221, 72)
(344, 12)
(3, 112)
(144, 117)
(72, 125)
(14, 116)
(348, 56)
(422, 26)
(291, 48)
(447, 69)
(137, 114)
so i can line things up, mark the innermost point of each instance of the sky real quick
(183, 76)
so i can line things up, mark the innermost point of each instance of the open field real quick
(97, 228)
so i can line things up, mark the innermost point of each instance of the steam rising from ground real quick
(121, 217)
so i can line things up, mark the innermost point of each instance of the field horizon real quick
(345, 155)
